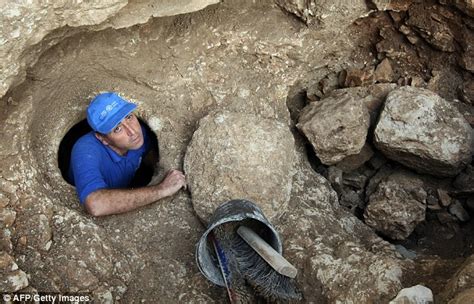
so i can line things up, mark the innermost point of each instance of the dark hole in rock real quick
(314, 160)
(144, 173)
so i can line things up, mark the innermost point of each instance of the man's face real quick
(127, 135)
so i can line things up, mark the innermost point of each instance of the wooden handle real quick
(270, 255)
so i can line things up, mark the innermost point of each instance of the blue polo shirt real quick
(95, 166)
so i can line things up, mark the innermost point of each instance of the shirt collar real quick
(114, 155)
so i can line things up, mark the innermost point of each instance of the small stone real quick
(48, 245)
(465, 180)
(417, 81)
(353, 162)
(7, 263)
(4, 200)
(396, 16)
(470, 203)
(457, 210)
(7, 217)
(355, 180)
(418, 294)
(445, 217)
(467, 92)
(5, 241)
(335, 178)
(444, 198)
(351, 199)
(13, 279)
(434, 207)
(384, 71)
(391, 5)
(22, 240)
(410, 34)
(407, 254)
(356, 77)
(432, 198)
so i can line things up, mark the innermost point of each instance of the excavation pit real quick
(239, 56)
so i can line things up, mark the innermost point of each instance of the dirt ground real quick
(178, 69)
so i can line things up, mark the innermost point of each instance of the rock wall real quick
(27, 23)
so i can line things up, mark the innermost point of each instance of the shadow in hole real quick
(142, 176)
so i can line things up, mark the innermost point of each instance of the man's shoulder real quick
(87, 142)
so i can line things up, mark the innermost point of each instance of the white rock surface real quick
(397, 205)
(240, 156)
(417, 294)
(425, 132)
(27, 23)
(334, 251)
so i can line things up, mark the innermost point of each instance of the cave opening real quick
(144, 173)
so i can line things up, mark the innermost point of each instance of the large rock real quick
(461, 282)
(325, 12)
(236, 155)
(26, 24)
(397, 205)
(423, 131)
(466, 6)
(418, 294)
(336, 126)
(429, 22)
(340, 260)
(392, 5)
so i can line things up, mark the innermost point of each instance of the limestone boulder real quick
(418, 294)
(423, 131)
(460, 286)
(397, 205)
(340, 260)
(240, 156)
(31, 27)
(325, 12)
(430, 23)
(335, 126)
(392, 5)
(466, 6)
(466, 296)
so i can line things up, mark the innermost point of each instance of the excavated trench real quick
(250, 59)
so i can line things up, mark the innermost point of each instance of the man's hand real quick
(114, 201)
(173, 182)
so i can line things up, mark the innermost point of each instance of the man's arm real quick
(114, 201)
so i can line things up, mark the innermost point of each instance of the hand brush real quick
(268, 282)
(270, 255)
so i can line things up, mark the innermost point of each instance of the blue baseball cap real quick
(107, 110)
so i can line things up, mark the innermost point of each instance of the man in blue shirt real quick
(104, 161)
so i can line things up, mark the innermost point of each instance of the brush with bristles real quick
(264, 268)
(246, 258)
